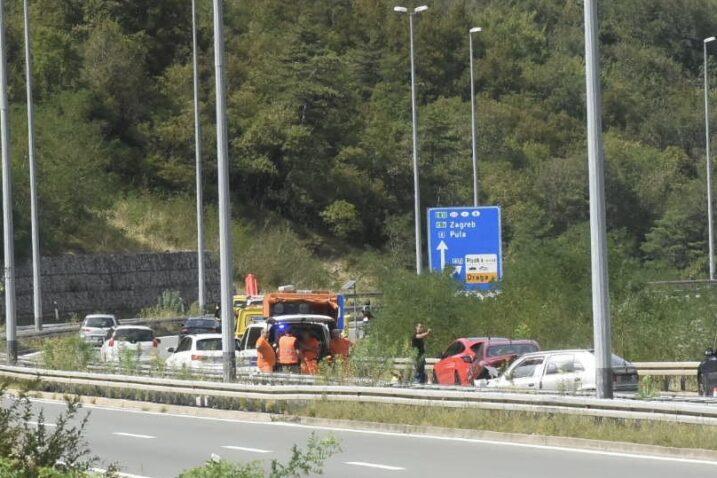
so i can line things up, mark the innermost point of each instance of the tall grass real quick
(635, 431)
(68, 353)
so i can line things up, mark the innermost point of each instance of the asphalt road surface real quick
(160, 445)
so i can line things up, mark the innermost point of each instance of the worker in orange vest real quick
(310, 348)
(339, 346)
(265, 354)
(289, 353)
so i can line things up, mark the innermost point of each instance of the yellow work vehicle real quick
(246, 316)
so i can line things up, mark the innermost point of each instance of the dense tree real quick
(320, 122)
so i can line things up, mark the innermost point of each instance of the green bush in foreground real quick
(31, 449)
(301, 463)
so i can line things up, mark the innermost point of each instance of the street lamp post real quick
(36, 280)
(416, 185)
(8, 230)
(198, 155)
(598, 227)
(225, 238)
(709, 167)
(474, 130)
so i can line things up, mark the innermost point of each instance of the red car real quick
(494, 353)
(456, 361)
(466, 358)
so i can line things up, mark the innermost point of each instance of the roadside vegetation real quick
(68, 353)
(648, 432)
(31, 448)
(303, 462)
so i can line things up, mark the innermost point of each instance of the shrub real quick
(67, 353)
(31, 449)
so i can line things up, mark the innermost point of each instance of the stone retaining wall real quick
(117, 283)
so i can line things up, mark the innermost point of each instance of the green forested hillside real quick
(320, 145)
(320, 116)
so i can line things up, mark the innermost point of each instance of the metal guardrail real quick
(668, 371)
(212, 393)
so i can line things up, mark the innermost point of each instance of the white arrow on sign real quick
(457, 270)
(442, 247)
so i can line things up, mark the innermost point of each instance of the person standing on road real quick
(310, 348)
(289, 353)
(265, 355)
(418, 343)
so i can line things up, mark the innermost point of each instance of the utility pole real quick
(598, 235)
(8, 232)
(225, 238)
(710, 228)
(36, 278)
(198, 154)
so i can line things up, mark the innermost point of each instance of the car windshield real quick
(210, 344)
(102, 322)
(202, 323)
(134, 335)
(511, 349)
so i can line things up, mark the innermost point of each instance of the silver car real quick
(96, 327)
(562, 371)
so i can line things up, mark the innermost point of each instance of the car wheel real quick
(456, 378)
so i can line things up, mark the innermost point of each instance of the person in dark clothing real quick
(418, 343)
(707, 374)
(218, 311)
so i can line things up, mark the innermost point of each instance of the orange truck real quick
(289, 302)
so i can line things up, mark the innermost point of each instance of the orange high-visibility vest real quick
(287, 350)
(265, 355)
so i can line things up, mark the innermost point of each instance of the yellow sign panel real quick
(481, 277)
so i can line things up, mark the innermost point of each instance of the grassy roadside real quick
(644, 432)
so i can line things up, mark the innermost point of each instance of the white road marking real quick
(375, 465)
(242, 448)
(46, 424)
(132, 435)
(119, 473)
(405, 435)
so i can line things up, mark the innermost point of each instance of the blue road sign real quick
(468, 240)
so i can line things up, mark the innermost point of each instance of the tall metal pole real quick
(198, 154)
(225, 238)
(474, 130)
(8, 232)
(36, 280)
(708, 164)
(598, 241)
(416, 185)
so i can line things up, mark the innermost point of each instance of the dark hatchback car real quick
(200, 325)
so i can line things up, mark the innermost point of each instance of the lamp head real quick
(475, 29)
(420, 9)
(400, 9)
(707, 40)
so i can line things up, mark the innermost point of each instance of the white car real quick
(561, 371)
(197, 352)
(130, 341)
(95, 327)
(318, 325)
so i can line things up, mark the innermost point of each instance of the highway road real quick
(160, 445)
